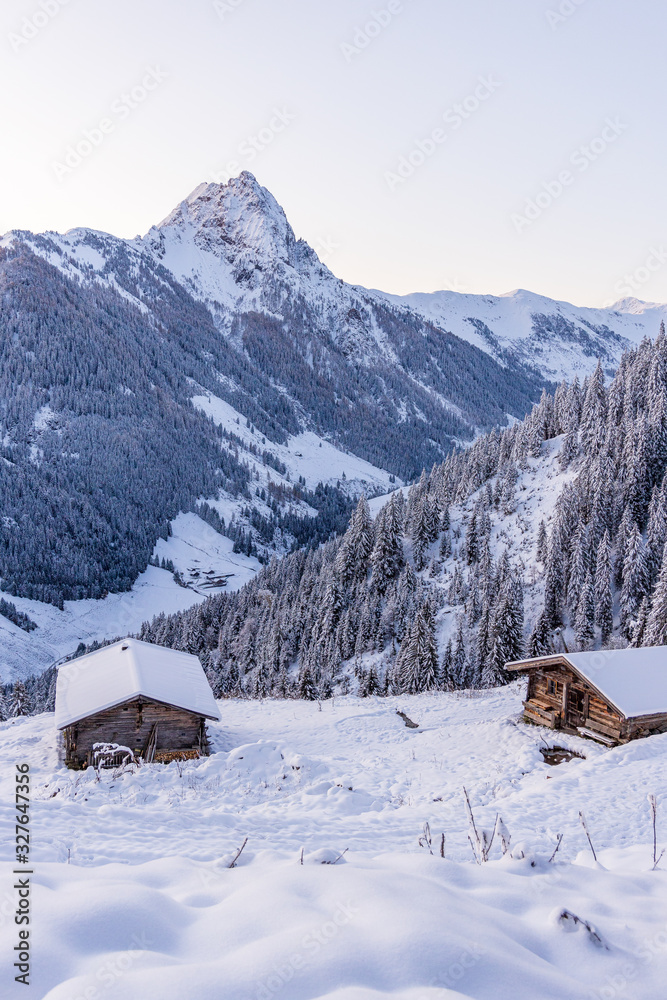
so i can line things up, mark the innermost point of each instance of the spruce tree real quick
(542, 543)
(656, 534)
(603, 599)
(540, 643)
(446, 676)
(634, 579)
(656, 625)
(594, 414)
(641, 622)
(585, 617)
(357, 544)
(19, 700)
(461, 663)
(307, 689)
(387, 555)
(417, 664)
(579, 570)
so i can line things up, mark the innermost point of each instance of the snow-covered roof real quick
(128, 669)
(633, 680)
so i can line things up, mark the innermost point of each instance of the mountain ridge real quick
(231, 244)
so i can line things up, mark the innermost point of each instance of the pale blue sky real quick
(350, 106)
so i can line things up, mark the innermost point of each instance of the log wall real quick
(130, 725)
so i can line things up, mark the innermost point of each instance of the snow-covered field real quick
(148, 908)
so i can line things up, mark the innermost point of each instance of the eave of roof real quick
(133, 697)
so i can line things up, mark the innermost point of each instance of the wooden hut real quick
(152, 700)
(612, 695)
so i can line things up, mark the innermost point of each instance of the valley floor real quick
(148, 908)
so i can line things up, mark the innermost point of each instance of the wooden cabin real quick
(611, 695)
(152, 700)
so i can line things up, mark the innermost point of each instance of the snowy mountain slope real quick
(557, 338)
(306, 456)
(233, 248)
(148, 908)
(222, 240)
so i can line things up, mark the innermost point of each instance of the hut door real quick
(576, 715)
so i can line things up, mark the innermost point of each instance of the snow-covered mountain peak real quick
(634, 306)
(238, 217)
(227, 242)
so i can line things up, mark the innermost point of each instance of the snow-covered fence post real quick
(654, 817)
(582, 820)
(559, 841)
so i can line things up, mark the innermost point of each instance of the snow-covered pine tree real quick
(542, 543)
(594, 412)
(424, 526)
(641, 621)
(540, 641)
(656, 534)
(307, 689)
(471, 541)
(508, 490)
(657, 407)
(603, 599)
(417, 663)
(634, 579)
(357, 544)
(584, 623)
(570, 447)
(461, 672)
(445, 676)
(332, 609)
(579, 570)
(387, 555)
(622, 536)
(19, 704)
(370, 684)
(656, 625)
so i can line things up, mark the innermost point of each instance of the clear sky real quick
(547, 169)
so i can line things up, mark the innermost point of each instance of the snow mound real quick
(400, 927)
